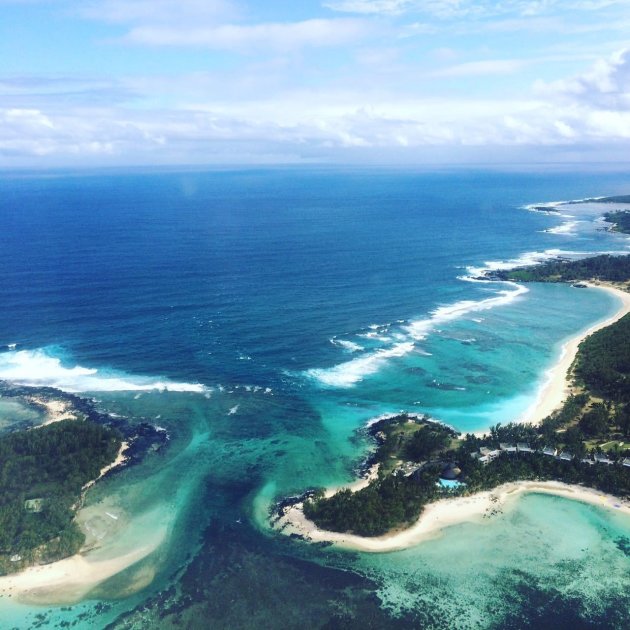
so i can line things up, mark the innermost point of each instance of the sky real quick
(178, 82)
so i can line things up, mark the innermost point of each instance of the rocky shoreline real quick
(142, 437)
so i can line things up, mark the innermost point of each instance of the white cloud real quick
(275, 36)
(216, 116)
(466, 8)
(218, 24)
(26, 120)
(479, 68)
(388, 7)
(159, 11)
(606, 84)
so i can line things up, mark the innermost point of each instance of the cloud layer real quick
(217, 81)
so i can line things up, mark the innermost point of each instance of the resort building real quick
(601, 458)
(552, 452)
(524, 448)
(486, 455)
(566, 456)
(626, 462)
(508, 448)
(408, 468)
(587, 460)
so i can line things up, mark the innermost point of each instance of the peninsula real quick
(47, 467)
(429, 477)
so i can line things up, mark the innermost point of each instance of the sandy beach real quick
(68, 580)
(56, 410)
(116, 541)
(558, 385)
(121, 458)
(444, 513)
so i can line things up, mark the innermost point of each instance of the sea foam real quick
(41, 368)
(351, 372)
(527, 259)
(419, 330)
(346, 344)
(404, 340)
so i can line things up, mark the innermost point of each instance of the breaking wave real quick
(41, 368)
(349, 373)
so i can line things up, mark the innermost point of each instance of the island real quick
(47, 468)
(425, 476)
(620, 220)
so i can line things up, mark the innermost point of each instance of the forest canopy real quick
(604, 267)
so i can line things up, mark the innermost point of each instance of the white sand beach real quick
(121, 458)
(115, 541)
(68, 580)
(558, 384)
(56, 410)
(444, 513)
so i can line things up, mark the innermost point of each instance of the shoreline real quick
(447, 512)
(69, 579)
(111, 546)
(558, 385)
(444, 513)
(120, 460)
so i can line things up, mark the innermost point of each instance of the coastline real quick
(558, 384)
(121, 459)
(68, 580)
(445, 513)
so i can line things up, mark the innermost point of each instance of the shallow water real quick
(276, 312)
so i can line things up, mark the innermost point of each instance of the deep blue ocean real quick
(262, 316)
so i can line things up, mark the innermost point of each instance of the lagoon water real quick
(262, 317)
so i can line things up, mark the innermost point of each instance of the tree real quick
(595, 421)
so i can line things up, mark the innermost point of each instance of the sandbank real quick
(557, 387)
(444, 513)
(68, 580)
(115, 542)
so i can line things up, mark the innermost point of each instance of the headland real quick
(571, 443)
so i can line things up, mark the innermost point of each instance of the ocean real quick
(262, 317)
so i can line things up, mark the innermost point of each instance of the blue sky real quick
(119, 82)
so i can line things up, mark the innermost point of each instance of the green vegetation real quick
(396, 498)
(408, 438)
(616, 199)
(603, 362)
(538, 467)
(42, 473)
(620, 219)
(569, 412)
(605, 268)
(387, 503)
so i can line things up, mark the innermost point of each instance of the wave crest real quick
(40, 368)
(351, 372)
